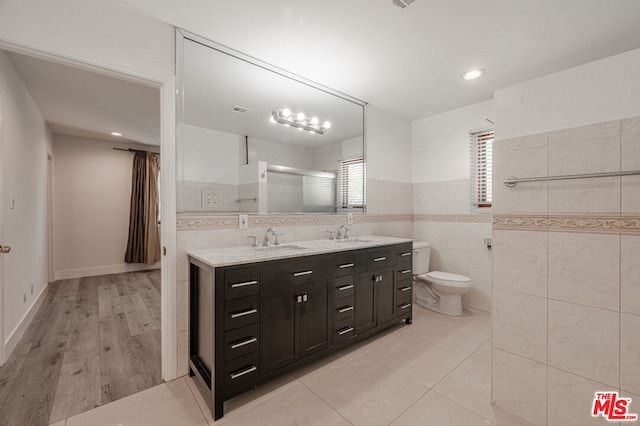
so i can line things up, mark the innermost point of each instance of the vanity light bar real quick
(299, 121)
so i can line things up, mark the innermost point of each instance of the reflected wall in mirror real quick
(255, 139)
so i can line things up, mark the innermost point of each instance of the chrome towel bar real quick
(512, 181)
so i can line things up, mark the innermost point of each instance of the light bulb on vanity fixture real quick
(299, 120)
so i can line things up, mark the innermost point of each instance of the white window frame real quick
(481, 149)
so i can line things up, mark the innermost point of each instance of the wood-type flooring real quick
(92, 341)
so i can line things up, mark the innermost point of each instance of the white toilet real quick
(438, 291)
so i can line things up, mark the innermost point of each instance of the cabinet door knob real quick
(298, 299)
(305, 298)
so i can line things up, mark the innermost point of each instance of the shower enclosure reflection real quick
(256, 139)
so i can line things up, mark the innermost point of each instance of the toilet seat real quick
(447, 276)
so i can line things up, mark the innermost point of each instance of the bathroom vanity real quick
(258, 312)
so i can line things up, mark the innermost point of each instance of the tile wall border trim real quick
(231, 222)
(585, 223)
(472, 218)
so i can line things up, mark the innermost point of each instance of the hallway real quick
(94, 340)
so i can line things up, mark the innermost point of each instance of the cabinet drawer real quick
(343, 309)
(241, 282)
(241, 341)
(403, 274)
(241, 312)
(375, 259)
(343, 287)
(298, 271)
(404, 257)
(241, 371)
(403, 308)
(344, 330)
(403, 297)
(344, 264)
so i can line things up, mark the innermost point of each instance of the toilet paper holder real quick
(487, 242)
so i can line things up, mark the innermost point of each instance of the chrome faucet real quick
(266, 241)
(342, 235)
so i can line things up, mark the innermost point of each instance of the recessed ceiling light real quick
(118, 134)
(472, 74)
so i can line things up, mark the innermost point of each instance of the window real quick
(351, 183)
(481, 159)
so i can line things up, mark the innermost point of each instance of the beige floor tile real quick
(434, 409)
(296, 406)
(465, 333)
(483, 353)
(167, 404)
(414, 355)
(364, 391)
(470, 386)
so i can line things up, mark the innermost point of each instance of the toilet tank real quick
(421, 256)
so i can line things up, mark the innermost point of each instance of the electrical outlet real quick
(24, 298)
(349, 218)
(243, 221)
(209, 198)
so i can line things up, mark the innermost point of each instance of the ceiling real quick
(409, 61)
(405, 61)
(91, 105)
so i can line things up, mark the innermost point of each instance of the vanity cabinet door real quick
(364, 299)
(385, 296)
(280, 328)
(314, 319)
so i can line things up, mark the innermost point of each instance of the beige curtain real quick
(143, 245)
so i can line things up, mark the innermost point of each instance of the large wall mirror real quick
(255, 139)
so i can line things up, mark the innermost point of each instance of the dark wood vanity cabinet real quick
(250, 323)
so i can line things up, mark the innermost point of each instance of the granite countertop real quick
(239, 255)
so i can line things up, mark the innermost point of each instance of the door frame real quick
(166, 87)
(2, 343)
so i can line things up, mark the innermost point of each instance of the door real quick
(314, 319)
(364, 300)
(385, 292)
(280, 328)
(2, 352)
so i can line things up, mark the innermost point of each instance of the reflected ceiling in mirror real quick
(236, 155)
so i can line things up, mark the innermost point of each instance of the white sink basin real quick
(352, 240)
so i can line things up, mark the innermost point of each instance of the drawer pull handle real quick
(244, 313)
(405, 306)
(406, 254)
(345, 331)
(236, 285)
(345, 309)
(244, 343)
(251, 369)
(406, 271)
(346, 265)
(405, 289)
(379, 259)
(345, 287)
(300, 274)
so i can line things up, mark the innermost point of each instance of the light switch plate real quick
(349, 218)
(243, 221)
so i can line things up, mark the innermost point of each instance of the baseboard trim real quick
(67, 274)
(14, 338)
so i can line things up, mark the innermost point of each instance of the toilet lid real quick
(439, 275)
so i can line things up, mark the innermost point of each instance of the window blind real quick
(481, 167)
(351, 183)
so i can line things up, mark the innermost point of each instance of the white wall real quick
(441, 142)
(388, 146)
(26, 144)
(92, 193)
(595, 92)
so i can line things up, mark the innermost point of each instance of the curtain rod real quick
(135, 150)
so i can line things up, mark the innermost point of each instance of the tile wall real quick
(566, 273)
(444, 216)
